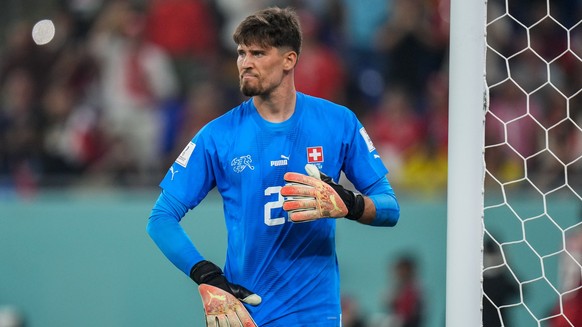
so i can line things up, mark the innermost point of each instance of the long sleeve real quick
(387, 207)
(165, 230)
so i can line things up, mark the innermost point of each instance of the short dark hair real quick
(271, 27)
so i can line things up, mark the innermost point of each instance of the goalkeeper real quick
(274, 159)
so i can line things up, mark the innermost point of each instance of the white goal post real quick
(465, 163)
(515, 164)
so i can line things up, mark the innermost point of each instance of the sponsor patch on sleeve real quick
(184, 157)
(367, 139)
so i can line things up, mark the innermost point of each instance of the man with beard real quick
(281, 259)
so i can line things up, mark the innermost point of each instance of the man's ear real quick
(290, 60)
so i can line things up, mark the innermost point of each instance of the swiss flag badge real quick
(314, 154)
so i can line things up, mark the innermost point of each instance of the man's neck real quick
(276, 107)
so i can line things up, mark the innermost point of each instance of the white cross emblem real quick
(315, 154)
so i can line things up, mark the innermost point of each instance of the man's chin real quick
(249, 92)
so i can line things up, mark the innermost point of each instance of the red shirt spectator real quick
(182, 27)
(319, 71)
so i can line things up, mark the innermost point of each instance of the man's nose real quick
(246, 62)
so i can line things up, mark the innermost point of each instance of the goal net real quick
(532, 217)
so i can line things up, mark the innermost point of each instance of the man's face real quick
(260, 69)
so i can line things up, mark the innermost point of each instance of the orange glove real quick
(222, 309)
(314, 196)
(206, 272)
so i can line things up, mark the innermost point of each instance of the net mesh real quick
(533, 162)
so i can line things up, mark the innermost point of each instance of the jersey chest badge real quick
(239, 164)
(315, 154)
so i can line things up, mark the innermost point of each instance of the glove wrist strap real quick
(204, 271)
(356, 211)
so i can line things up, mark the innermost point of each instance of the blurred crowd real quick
(402, 300)
(124, 85)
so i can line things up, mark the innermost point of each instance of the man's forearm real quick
(165, 230)
(380, 210)
(381, 207)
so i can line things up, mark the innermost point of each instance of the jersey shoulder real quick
(328, 114)
(326, 107)
(227, 121)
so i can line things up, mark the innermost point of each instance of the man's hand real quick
(317, 196)
(222, 309)
(206, 272)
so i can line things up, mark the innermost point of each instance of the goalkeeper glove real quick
(317, 196)
(206, 272)
(222, 309)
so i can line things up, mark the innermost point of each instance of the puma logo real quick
(216, 296)
(211, 297)
(282, 162)
(173, 171)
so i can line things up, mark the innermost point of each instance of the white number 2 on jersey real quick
(270, 221)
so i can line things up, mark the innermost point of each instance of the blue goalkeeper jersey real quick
(292, 266)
